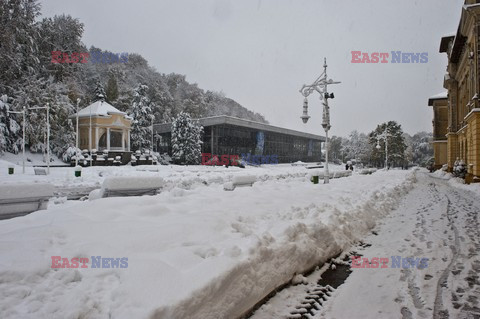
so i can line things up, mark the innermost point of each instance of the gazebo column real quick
(123, 140)
(108, 138)
(128, 140)
(95, 145)
(90, 138)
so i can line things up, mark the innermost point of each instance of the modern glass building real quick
(226, 135)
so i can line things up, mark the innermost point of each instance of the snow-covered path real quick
(434, 221)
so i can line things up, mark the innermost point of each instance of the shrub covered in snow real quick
(459, 169)
(70, 153)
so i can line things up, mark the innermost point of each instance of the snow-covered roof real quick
(439, 96)
(467, 6)
(99, 108)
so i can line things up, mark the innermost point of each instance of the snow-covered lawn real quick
(193, 252)
(181, 176)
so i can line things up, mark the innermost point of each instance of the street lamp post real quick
(76, 137)
(320, 86)
(23, 112)
(90, 138)
(385, 135)
(23, 129)
(152, 118)
(47, 107)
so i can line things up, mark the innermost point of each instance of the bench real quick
(22, 198)
(39, 171)
(124, 186)
(240, 181)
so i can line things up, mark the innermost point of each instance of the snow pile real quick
(244, 179)
(130, 182)
(18, 198)
(25, 190)
(199, 253)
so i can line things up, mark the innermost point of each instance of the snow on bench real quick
(339, 174)
(240, 181)
(331, 174)
(39, 171)
(24, 198)
(130, 186)
(367, 171)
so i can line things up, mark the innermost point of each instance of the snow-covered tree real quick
(356, 147)
(112, 89)
(186, 140)
(10, 140)
(396, 144)
(419, 147)
(99, 92)
(335, 148)
(141, 132)
(18, 42)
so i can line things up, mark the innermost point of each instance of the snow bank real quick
(192, 253)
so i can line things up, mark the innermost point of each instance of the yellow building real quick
(103, 127)
(462, 83)
(439, 103)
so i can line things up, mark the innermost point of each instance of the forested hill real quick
(28, 78)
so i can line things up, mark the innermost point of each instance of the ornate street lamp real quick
(320, 86)
(385, 135)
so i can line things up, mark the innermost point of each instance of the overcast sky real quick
(260, 52)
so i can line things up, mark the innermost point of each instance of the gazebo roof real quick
(99, 108)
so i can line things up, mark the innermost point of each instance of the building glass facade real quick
(230, 139)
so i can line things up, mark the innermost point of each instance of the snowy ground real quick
(186, 177)
(194, 251)
(31, 159)
(434, 221)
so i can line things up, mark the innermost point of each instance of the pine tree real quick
(112, 89)
(141, 130)
(99, 92)
(186, 140)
